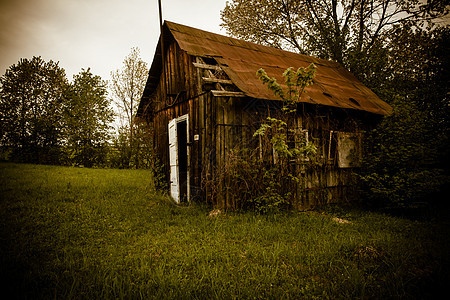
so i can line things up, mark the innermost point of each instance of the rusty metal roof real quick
(333, 84)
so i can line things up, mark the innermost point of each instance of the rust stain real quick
(333, 84)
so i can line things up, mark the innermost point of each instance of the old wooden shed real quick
(203, 99)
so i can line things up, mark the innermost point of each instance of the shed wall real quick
(223, 124)
(236, 119)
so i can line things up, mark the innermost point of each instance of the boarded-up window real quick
(349, 149)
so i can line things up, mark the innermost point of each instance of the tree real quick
(31, 105)
(88, 117)
(409, 154)
(396, 48)
(338, 30)
(127, 87)
(402, 169)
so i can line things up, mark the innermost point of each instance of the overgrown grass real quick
(73, 233)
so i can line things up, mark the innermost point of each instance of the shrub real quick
(401, 169)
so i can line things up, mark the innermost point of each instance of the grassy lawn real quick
(73, 233)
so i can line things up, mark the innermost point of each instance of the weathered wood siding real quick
(224, 123)
(176, 95)
(236, 119)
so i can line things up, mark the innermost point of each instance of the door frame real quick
(175, 121)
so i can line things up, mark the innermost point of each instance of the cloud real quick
(21, 23)
(93, 33)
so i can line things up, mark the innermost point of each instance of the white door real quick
(173, 160)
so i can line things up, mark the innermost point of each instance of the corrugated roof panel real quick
(241, 59)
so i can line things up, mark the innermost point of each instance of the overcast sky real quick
(93, 33)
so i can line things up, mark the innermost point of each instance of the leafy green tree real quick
(409, 153)
(88, 118)
(396, 48)
(127, 86)
(346, 31)
(402, 168)
(31, 106)
(419, 69)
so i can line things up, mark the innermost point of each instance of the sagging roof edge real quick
(376, 105)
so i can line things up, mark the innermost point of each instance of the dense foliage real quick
(399, 49)
(87, 118)
(409, 154)
(32, 101)
(332, 29)
(45, 119)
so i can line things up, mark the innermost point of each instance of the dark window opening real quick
(209, 61)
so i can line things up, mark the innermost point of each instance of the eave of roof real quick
(333, 84)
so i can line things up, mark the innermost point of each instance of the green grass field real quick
(74, 233)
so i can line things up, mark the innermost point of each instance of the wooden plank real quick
(217, 80)
(236, 105)
(228, 118)
(227, 94)
(179, 69)
(173, 71)
(169, 76)
(195, 73)
(205, 66)
(225, 140)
